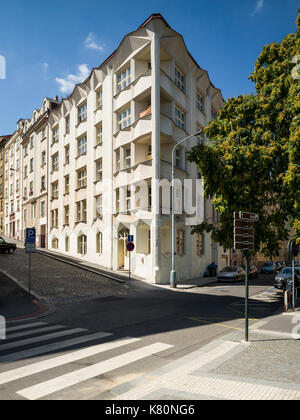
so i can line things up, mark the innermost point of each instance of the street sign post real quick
(30, 248)
(130, 248)
(293, 250)
(244, 241)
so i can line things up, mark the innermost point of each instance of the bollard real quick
(286, 305)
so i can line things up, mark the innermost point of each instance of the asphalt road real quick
(172, 323)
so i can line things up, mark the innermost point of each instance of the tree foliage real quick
(251, 161)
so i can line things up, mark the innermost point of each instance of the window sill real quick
(81, 188)
(82, 154)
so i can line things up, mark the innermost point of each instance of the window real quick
(55, 190)
(67, 184)
(179, 79)
(67, 124)
(31, 165)
(82, 245)
(128, 199)
(214, 114)
(31, 188)
(55, 162)
(180, 242)
(25, 152)
(99, 170)
(127, 157)
(200, 139)
(43, 158)
(82, 178)
(67, 154)
(82, 145)
(44, 133)
(54, 243)
(81, 211)
(124, 119)
(33, 207)
(117, 160)
(82, 113)
(99, 207)
(99, 102)
(43, 183)
(99, 243)
(25, 172)
(67, 215)
(178, 160)
(54, 218)
(99, 137)
(200, 240)
(31, 142)
(124, 79)
(67, 243)
(55, 135)
(199, 102)
(43, 208)
(179, 117)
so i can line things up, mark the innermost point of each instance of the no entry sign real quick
(130, 246)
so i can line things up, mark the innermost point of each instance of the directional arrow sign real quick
(243, 238)
(244, 231)
(249, 216)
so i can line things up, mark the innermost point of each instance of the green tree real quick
(251, 162)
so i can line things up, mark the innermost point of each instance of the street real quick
(87, 348)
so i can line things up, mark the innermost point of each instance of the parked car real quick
(6, 246)
(253, 272)
(286, 276)
(269, 268)
(234, 273)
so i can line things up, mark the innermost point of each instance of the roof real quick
(150, 18)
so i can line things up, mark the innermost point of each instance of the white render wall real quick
(158, 129)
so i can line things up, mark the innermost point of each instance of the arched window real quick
(55, 243)
(82, 245)
(67, 244)
(99, 243)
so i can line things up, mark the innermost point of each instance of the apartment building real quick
(112, 138)
(13, 185)
(35, 145)
(3, 140)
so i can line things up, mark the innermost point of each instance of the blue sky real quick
(50, 45)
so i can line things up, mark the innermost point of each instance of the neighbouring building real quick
(35, 170)
(113, 137)
(3, 157)
(13, 185)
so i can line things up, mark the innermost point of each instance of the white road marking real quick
(24, 327)
(34, 368)
(57, 384)
(39, 339)
(52, 347)
(36, 331)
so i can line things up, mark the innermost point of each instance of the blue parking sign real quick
(30, 235)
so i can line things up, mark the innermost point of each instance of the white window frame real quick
(124, 119)
(82, 145)
(179, 79)
(124, 79)
(180, 117)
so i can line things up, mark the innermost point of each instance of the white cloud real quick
(91, 43)
(258, 8)
(68, 83)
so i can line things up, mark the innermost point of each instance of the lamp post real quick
(173, 270)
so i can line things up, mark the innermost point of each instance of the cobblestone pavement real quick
(58, 283)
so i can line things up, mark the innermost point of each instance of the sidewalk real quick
(119, 275)
(266, 368)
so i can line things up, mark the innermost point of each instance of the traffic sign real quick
(30, 235)
(248, 216)
(130, 238)
(244, 231)
(30, 240)
(130, 246)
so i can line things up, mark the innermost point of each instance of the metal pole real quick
(293, 284)
(247, 297)
(29, 280)
(129, 264)
(173, 283)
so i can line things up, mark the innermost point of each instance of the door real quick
(43, 236)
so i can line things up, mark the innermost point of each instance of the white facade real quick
(116, 130)
(13, 224)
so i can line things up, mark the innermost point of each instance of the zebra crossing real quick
(23, 344)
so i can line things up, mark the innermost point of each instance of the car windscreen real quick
(229, 269)
(287, 271)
